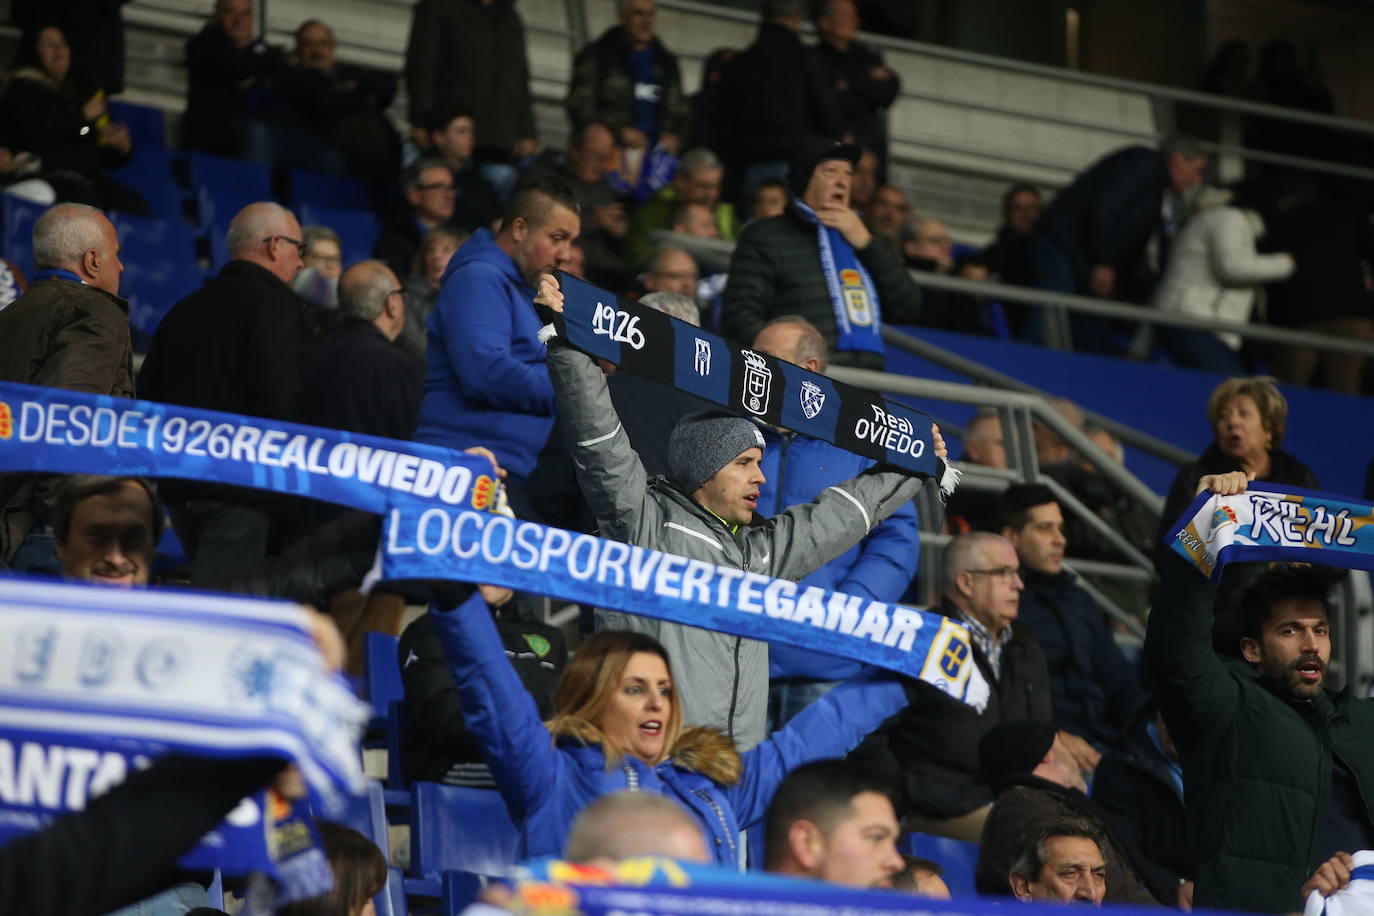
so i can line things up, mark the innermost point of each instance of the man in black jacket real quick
(235, 346)
(436, 744)
(341, 107)
(1034, 777)
(1097, 694)
(230, 99)
(472, 52)
(933, 743)
(629, 81)
(1093, 234)
(355, 377)
(774, 97)
(1139, 788)
(863, 84)
(778, 266)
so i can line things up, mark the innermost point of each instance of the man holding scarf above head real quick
(819, 261)
(704, 509)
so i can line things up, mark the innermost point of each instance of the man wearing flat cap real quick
(704, 509)
(1033, 776)
(819, 261)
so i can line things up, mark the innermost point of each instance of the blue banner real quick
(55, 431)
(424, 541)
(674, 353)
(1269, 522)
(654, 886)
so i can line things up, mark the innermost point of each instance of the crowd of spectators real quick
(1071, 780)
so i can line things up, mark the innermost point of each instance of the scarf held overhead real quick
(1270, 522)
(98, 681)
(423, 541)
(674, 353)
(69, 432)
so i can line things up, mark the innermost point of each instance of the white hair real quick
(254, 223)
(674, 305)
(64, 233)
(363, 289)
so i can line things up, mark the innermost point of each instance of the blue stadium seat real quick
(382, 672)
(958, 859)
(147, 125)
(219, 174)
(143, 238)
(392, 900)
(331, 191)
(153, 286)
(149, 173)
(358, 229)
(367, 815)
(453, 828)
(16, 234)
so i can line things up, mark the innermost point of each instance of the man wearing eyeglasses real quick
(233, 345)
(431, 198)
(932, 745)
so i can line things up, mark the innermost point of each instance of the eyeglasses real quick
(1000, 572)
(300, 246)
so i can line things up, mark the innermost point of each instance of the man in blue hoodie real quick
(797, 467)
(486, 381)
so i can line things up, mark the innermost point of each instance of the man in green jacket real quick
(1277, 769)
(819, 261)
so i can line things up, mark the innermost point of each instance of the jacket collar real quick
(123, 304)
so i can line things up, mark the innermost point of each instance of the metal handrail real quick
(979, 372)
(1083, 568)
(1088, 305)
(994, 397)
(717, 251)
(1188, 96)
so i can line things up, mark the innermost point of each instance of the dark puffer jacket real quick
(933, 743)
(776, 270)
(1096, 691)
(1256, 765)
(602, 88)
(1144, 808)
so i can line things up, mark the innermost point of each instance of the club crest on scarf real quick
(758, 382)
(812, 399)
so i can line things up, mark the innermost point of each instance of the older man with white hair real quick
(235, 346)
(356, 378)
(68, 330)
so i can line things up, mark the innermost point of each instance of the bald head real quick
(626, 824)
(796, 340)
(267, 234)
(369, 291)
(79, 238)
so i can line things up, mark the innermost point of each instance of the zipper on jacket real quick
(724, 825)
(631, 777)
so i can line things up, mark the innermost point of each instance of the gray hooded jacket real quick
(722, 680)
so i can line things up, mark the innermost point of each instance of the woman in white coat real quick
(1214, 271)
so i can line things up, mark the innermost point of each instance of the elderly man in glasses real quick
(932, 745)
(233, 345)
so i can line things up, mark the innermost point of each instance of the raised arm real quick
(499, 712)
(806, 537)
(830, 727)
(612, 477)
(1195, 694)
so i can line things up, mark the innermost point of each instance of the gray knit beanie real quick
(703, 443)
